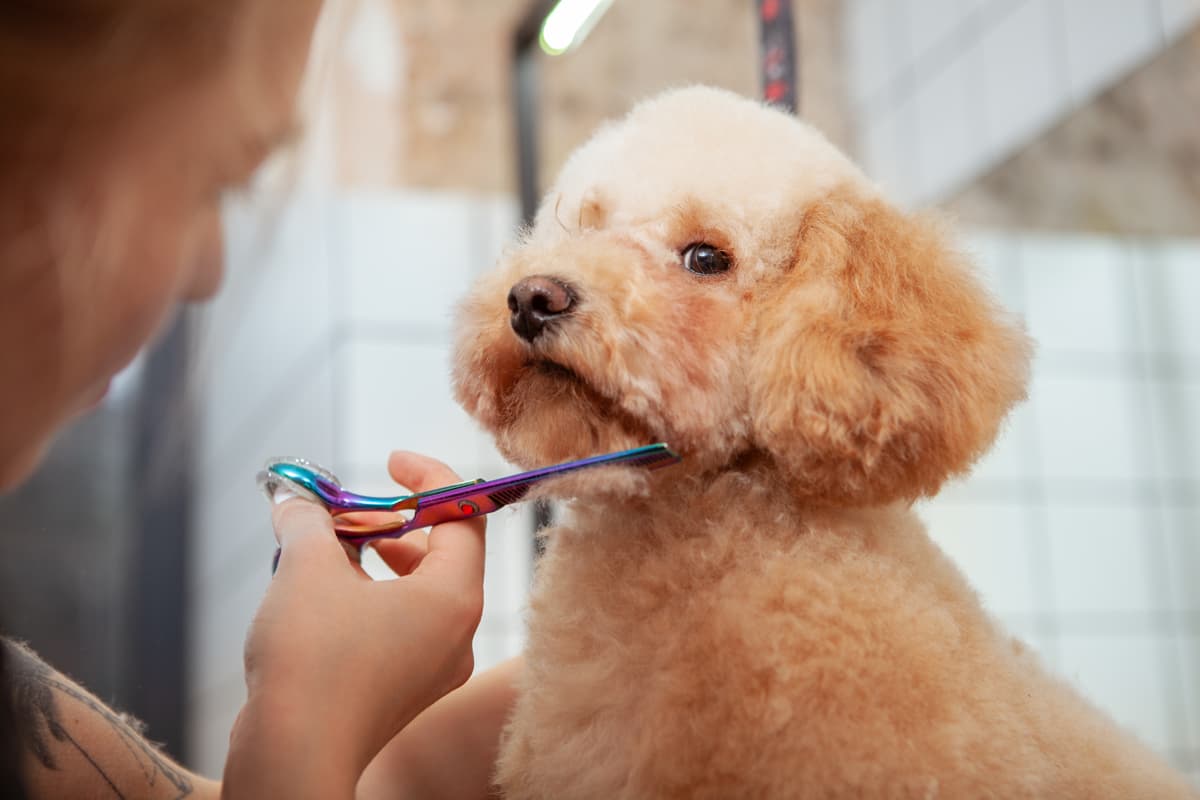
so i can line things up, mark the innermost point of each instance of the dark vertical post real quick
(778, 67)
(524, 103)
(525, 109)
(156, 671)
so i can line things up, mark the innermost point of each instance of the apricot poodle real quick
(768, 619)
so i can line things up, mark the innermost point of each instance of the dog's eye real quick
(704, 259)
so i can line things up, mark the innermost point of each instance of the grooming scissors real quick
(433, 507)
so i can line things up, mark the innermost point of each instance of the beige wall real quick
(1128, 162)
(447, 123)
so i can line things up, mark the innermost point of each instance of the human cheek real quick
(204, 257)
(147, 285)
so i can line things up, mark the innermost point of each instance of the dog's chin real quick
(553, 414)
(602, 484)
(556, 371)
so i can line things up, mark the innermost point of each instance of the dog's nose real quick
(536, 300)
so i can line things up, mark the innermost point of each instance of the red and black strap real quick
(780, 73)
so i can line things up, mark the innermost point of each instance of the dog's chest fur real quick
(728, 644)
(674, 643)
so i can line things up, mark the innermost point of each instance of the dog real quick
(769, 618)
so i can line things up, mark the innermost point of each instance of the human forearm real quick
(281, 749)
(75, 746)
(450, 750)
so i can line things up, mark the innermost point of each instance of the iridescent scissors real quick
(449, 503)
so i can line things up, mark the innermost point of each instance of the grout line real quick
(1175, 493)
(1128, 364)
(1035, 498)
(1150, 448)
(1106, 622)
(415, 334)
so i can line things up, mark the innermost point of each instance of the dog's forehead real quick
(699, 144)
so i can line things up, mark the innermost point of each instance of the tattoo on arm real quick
(35, 686)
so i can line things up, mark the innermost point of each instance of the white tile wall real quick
(1007, 461)
(1167, 280)
(1025, 63)
(1089, 427)
(947, 129)
(991, 543)
(1182, 527)
(1106, 38)
(273, 314)
(396, 395)
(1091, 278)
(296, 420)
(1190, 646)
(882, 151)
(872, 47)
(1124, 674)
(1020, 83)
(1175, 428)
(1082, 530)
(1102, 559)
(931, 22)
(409, 257)
(331, 342)
(1057, 528)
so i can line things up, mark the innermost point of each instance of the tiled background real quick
(1081, 529)
(331, 341)
(940, 90)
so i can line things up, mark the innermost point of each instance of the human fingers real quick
(455, 549)
(420, 473)
(404, 554)
(304, 532)
(456, 554)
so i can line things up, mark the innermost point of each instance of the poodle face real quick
(714, 274)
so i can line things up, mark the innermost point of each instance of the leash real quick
(780, 75)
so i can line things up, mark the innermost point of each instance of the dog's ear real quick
(881, 367)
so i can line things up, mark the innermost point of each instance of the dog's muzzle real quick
(535, 302)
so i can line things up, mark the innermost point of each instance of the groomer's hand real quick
(337, 664)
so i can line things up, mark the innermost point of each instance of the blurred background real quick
(1061, 135)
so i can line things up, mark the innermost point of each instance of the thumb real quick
(304, 531)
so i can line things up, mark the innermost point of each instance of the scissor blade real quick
(463, 501)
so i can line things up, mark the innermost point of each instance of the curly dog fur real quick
(769, 618)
